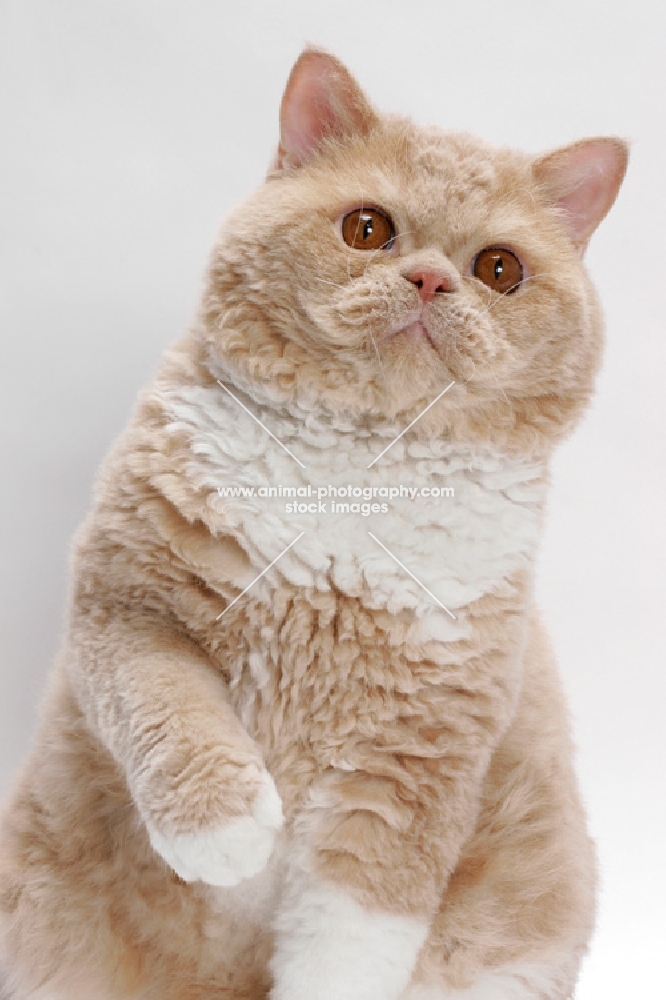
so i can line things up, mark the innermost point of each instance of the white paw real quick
(228, 854)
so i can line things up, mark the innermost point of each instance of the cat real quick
(314, 749)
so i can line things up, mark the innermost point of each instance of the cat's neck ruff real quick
(477, 526)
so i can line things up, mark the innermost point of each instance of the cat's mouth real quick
(415, 332)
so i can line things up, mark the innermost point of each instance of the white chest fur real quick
(458, 546)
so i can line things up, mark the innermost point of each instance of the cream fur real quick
(355, 794)
(226, 856)
(522, 982)
(324, 934)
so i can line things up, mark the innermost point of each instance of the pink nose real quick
(430, 282)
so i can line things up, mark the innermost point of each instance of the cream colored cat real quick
(348, 776)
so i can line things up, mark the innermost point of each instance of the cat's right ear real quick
(322, 101)
(582, 181)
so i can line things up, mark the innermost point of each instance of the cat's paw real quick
(228, 854)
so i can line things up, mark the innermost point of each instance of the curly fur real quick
(331, 786)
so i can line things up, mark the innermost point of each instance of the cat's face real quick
(382, 261)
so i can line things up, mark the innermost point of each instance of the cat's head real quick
(382, 260)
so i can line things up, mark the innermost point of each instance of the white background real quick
(129, 129)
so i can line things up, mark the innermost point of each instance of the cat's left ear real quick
(322, 101)
(583, 180)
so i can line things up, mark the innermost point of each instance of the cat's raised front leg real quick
(210, 807)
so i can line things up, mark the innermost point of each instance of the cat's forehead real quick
(453, 159)
(428, 177)
(455, 176)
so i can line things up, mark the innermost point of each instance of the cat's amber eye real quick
(498, 269)
(368, 229)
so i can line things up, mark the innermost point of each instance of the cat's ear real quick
(322, 100)
(583, 180)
